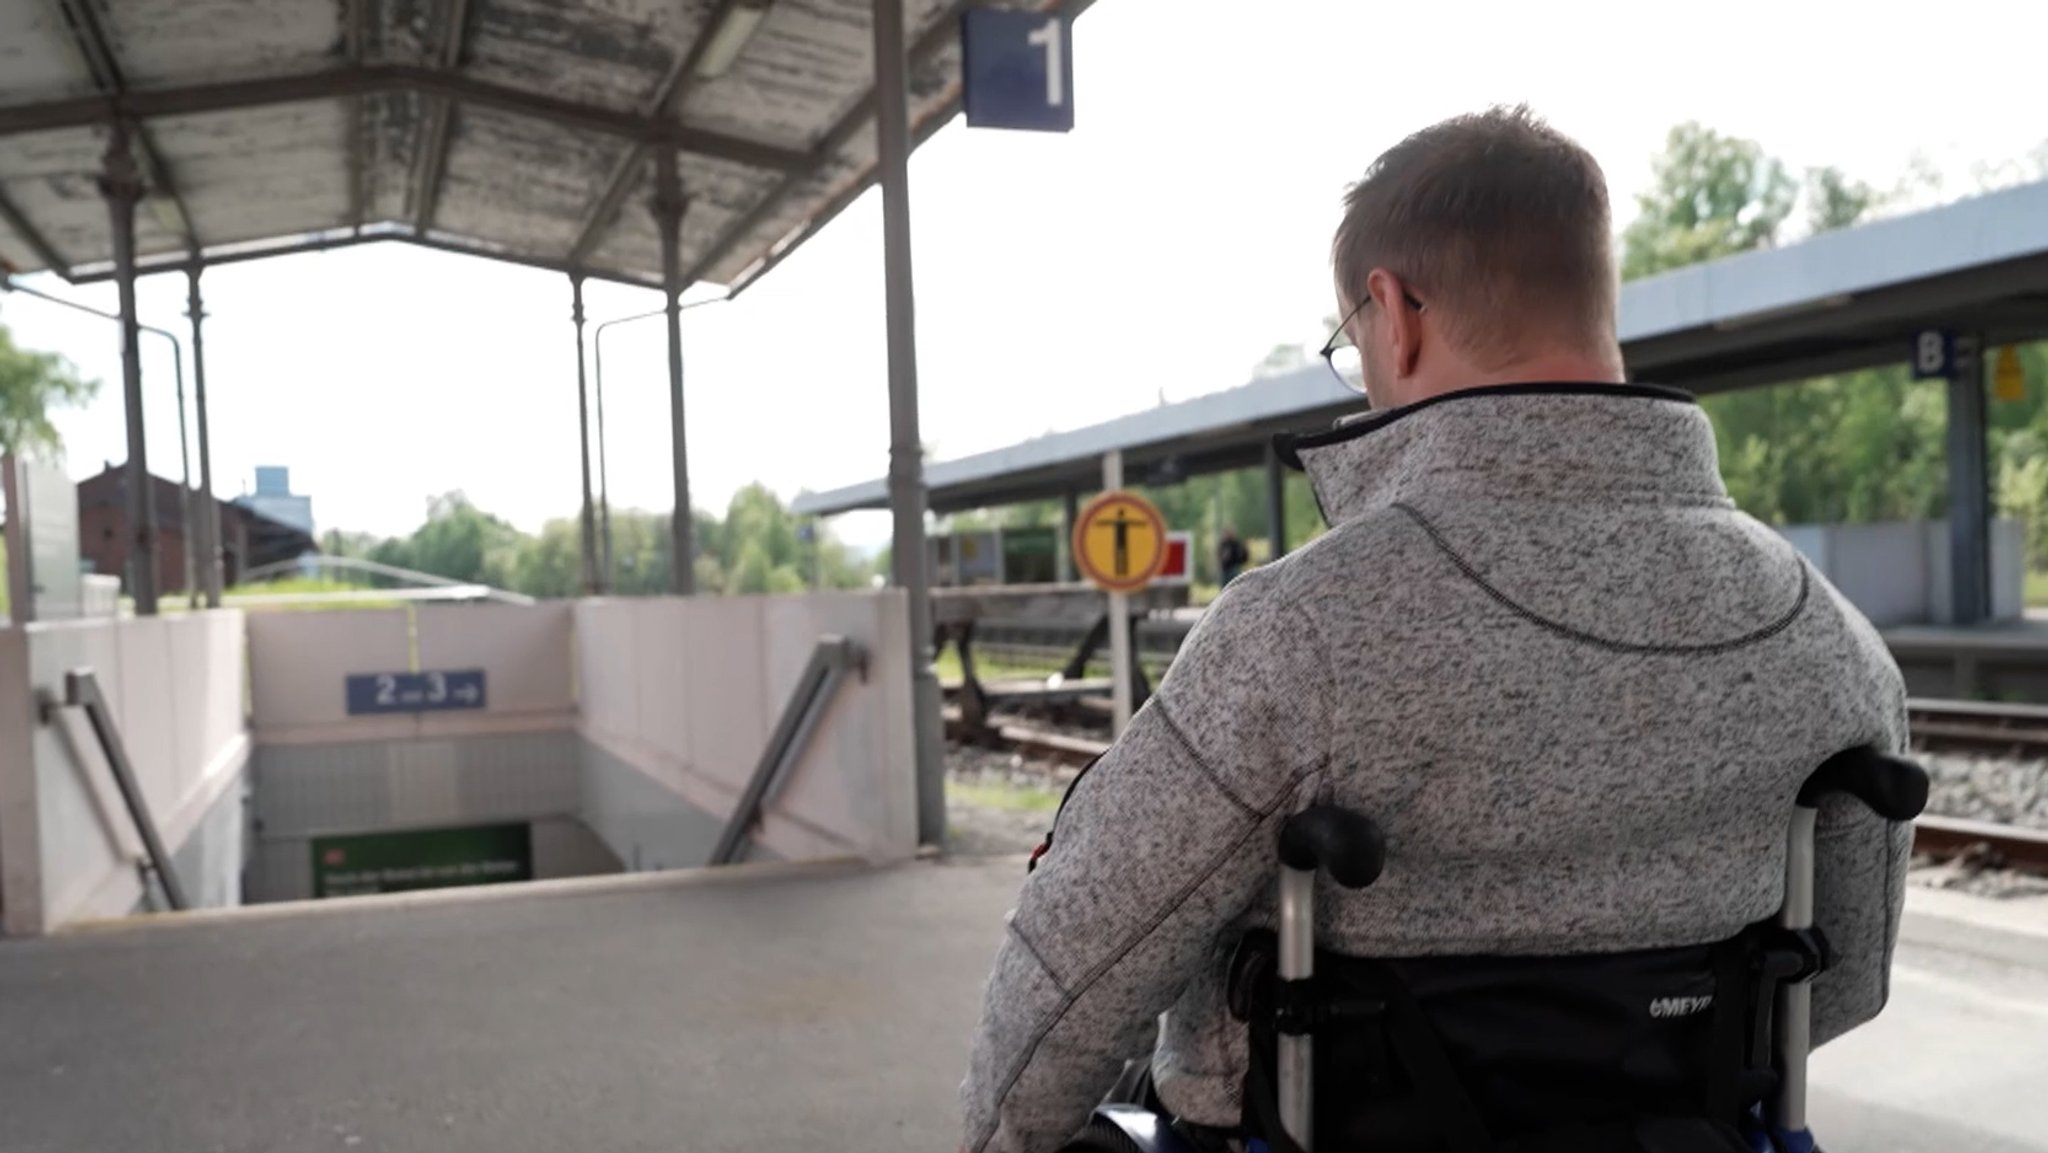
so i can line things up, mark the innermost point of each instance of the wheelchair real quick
(1699, 1049)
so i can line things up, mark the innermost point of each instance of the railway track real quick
(1937, 726)
(1979, 727)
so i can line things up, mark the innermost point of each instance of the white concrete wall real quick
(1896, 572)
(299, 664)
(687, 691)
(174, 686)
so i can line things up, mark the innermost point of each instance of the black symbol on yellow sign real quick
(1120, 542)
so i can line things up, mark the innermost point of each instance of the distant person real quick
(1539, 645)
(1231, 555)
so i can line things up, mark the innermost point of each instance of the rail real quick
(2016, 847)
(831, 660)
(82, 691)
(451, 589)
(1980, 726)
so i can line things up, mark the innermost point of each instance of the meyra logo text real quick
(1680, 1006)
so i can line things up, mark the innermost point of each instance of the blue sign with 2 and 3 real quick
(415, 692)
(1018, 69)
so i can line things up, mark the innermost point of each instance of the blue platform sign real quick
(370, 693)
(1018, 69)
(1934, 354)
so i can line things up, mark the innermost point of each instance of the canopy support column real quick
(589, 546)
(906, 453)
(1969, 487)
(668, 214)
(209, 511)
(121, 184)
(1070, 513)
(1276, 502)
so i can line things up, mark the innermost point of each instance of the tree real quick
(1835, 200)
(31, 384)
(462, 543)
(1284, 358)
(1712, 195)
(550, 565)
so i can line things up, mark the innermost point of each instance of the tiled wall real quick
(303, 790)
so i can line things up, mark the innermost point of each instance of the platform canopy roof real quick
(1836, 302)
(516, 129)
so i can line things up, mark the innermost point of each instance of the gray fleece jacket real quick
(1543, 650)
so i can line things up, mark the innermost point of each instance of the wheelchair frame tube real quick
(1794, 1009)
(1296, 1075)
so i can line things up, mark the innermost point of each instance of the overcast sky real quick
(1159, 250)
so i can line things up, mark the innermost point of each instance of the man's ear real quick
(1404, 324)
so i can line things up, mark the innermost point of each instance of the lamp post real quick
(604, 501)
(8, 284)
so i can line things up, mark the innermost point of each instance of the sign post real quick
(1120, 544)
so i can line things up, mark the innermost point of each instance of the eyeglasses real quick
(1343, 357)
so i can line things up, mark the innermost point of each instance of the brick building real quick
(249, 539)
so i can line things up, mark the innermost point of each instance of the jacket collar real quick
(1525, 441)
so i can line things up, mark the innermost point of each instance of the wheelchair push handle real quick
(1892, 788)
(1348, 844)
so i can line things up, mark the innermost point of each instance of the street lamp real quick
(8, 284)
(604, 502)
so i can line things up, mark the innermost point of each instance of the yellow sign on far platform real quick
(1120, 542)
(2009, 377)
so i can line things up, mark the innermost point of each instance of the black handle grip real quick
(1346, 843)
(1892, 788)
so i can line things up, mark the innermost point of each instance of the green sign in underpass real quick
(363, 863)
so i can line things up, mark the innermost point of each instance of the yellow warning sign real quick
(1120, 542)
(2009, 378)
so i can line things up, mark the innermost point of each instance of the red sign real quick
(1176, 566)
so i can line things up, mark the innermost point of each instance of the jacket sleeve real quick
(1160, 845)
(1859, 895)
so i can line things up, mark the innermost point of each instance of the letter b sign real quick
(1933, 354)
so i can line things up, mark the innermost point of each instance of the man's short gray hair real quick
(1501, 225)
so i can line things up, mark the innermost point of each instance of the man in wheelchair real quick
(1543, 660)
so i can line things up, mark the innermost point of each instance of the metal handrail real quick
(82, 691)
(830, 661)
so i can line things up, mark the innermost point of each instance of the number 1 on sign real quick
(1048, 37)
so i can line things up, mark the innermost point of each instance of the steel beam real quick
(661, 104)
(891, 98)
(344, 238)
(934, 38)
(941, 32)
(121, 184)
(369, 79)
(356, 28)
(44, 250)
(1969, 487)
(669, 206)
(434, 156)
(91, 42)
(209, 515)
(922, 131)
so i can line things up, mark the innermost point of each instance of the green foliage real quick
(1859, 446)
(758, 548)
(1712, 195)
(1834, 200)
(31, 384)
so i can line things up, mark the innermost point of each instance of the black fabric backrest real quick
(1534, 1044)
